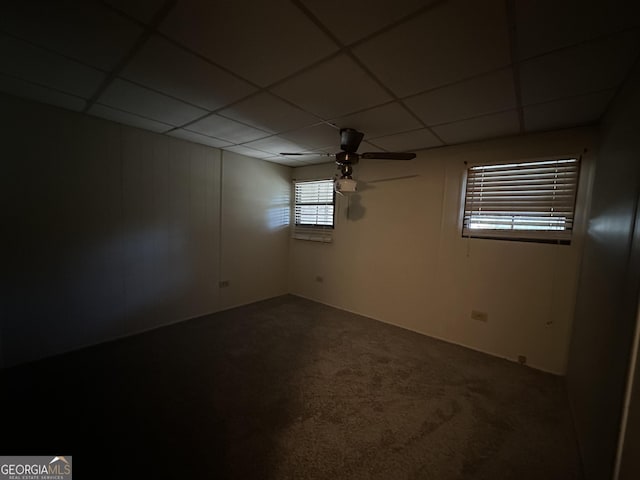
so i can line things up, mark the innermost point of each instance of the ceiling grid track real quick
(142, 39)
(325, 68)
(347, 50)
(513, 50)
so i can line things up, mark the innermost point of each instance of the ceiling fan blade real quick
(350, 139)
(390, 179)
(317, 154)
(388, 155)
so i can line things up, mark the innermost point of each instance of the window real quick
(524, 201)
(314, 210)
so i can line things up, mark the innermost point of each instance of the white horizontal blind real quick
(532, 200)
(314, 209)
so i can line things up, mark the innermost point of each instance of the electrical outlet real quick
(223, 283)
(319, 278)
(480, 316)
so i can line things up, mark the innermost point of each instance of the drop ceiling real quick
(259, 77)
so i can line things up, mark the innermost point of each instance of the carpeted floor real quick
(290, 389)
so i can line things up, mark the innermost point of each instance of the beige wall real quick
(112, 230)
(255, 229)
(398, 255)
(607, 301)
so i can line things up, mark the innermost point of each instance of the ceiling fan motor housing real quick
(350, 139)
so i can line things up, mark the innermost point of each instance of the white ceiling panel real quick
(488, 126)
(126, 118)
(368, 147)
(198, 138)
(286, 161)
(454, 40)
(261, 40)
(384, 120)
(546, 25)
(589, 67)
(408, 141)
(249, 152)
(315, 159)
(169, 69)
(276, 145)
(143, 10)
(490, 93)
(264, 76)
(21, 88)
(269, 113)
(226, 129)
(85, 31)
(315, 137)
(333, 88)
(131, 98)
(580, 110)
(27, 62)
(372, 15)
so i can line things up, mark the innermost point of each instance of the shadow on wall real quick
(355, 210)
(88, 293)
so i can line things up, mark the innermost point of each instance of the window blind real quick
(314, 210)
(532, 200)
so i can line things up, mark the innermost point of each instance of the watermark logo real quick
(36, 468)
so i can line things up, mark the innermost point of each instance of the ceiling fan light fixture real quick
(345, 185)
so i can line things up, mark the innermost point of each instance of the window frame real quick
(557, 236)
(308, 231)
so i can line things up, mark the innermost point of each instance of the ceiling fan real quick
(350, 140)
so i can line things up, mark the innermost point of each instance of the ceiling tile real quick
(488, 126)
(568, 22)
(408, 141)
(146, 103)
(249, 152)
(367, 147)
(586, 68)
(372, 15)
(384, 120)
(21, 88)
(262, 40)
(317, 136)
(269, 113)
(286, 161)
(86, 31)
(568, 112)
(198, 138)
(24, 61)
(318, 159)
(220, 127)
(143, 10)
(127, 118)
(169, 69)
(333, 88)
(310, 159)
(481, 95)
(454, 40)
(276, 145)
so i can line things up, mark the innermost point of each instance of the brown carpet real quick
(290, 389)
